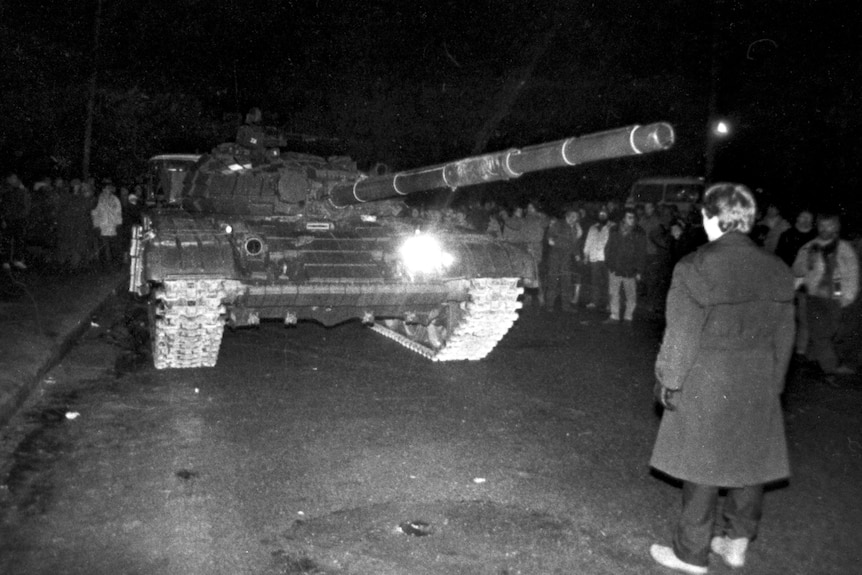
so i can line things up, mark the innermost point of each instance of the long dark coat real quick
(727, 344)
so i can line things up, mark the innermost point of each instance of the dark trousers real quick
(598, 284)
(824, 319)
(559, 278)
(698, 523)
(109, 250)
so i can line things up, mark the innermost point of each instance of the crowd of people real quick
(66, 226)
(618, 259)
(596, 255)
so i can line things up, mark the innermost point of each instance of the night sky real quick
(414, 83)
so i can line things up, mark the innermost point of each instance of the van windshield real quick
(644, 193)
(683, 193)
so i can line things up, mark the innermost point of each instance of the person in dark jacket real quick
(789, 244)
(791, 241)
(14, 215)
(720, 371)
(564, 246)
(625, 257)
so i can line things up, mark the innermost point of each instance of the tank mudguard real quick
(179, 247)
(481, 256)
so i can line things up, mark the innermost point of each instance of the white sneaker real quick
(7, 267)
(19, 265)
(731, 551)
(665, 556)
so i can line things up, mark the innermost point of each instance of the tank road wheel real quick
(467, 330)
(414, 331)
(187, 322)
(438, 330)
(427, 339)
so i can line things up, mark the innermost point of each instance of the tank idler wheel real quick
(462, 330)
(433, 335)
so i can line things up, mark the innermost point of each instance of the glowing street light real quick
(721, 128)
(718, 130)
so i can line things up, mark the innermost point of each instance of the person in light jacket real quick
(594, 256)
(107, 217)
(828, 270)
(721, 371)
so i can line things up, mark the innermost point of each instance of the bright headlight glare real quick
(423, 254)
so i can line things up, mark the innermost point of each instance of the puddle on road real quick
(465, 537)
(291, 564)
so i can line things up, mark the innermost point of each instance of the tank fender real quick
(179, 248)
(482, 257)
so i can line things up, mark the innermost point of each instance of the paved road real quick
(314, 450)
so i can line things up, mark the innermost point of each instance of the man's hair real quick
(733, 204)
(828, 215)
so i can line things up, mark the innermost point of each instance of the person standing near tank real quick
(564, 241)
(594, 256)
(721, 371)
(625, 258)
(828, 270)
(107, 218)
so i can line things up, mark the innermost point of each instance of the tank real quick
(260, 233)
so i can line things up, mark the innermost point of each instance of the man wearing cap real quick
(594, 256)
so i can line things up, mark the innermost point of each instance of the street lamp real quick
(718, 130)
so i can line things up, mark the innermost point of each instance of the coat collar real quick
(733, 239)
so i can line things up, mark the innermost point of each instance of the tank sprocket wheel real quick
(462, 331)
(187, 322)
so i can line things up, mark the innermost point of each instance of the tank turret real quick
(267, 234)
(254, 177)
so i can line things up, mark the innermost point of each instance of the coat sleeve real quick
(611, 252)
(640, 253)
(800, 264)
(850, 267)
(785, 337)
(588, 245)
(117, 212)
(685, 320)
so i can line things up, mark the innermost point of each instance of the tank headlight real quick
(424, 254)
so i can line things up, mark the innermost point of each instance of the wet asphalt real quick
(334, 450)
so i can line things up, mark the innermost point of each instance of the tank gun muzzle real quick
(505, 165)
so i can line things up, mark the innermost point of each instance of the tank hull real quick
(204, 273)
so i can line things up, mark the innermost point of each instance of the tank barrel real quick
(505, 165)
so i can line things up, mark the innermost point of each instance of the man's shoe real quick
(665, 556)
(611, 320)
(844, 370)
(7, 267)
(731, 551)
(591, 305)
(19, 265)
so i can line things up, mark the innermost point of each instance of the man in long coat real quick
(721, 370)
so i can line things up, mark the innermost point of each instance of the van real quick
(167, 175)
(684, 193)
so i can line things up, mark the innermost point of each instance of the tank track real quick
(488, 314)
(187, 322)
